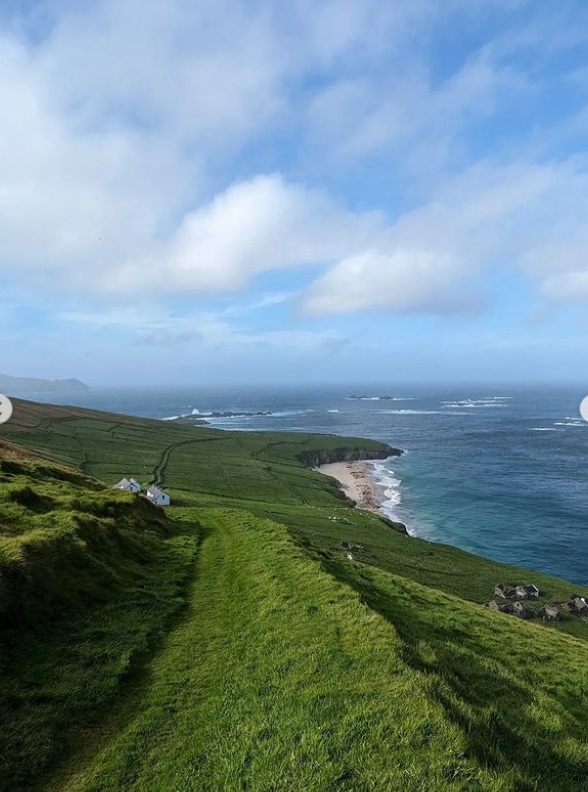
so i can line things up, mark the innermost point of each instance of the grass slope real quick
(88, 579)
(289, 667)
(262, 472)
(280, 677)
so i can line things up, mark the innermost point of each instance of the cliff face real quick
(347, 454)
(30, 385)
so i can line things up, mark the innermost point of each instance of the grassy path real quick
(159, 471)
(278, 678)
(161, 467)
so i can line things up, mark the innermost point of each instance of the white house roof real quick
(155, 492)
(126, 484)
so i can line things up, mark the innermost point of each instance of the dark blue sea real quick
(499, 471)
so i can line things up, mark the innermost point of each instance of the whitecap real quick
(416, 412)
(381, 398)
(473, 403)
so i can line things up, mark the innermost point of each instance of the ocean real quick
(499, 471)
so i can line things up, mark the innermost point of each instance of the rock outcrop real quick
(316, 458)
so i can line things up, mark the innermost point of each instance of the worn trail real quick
(277, 678)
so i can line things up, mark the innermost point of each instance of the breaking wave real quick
(490, 401)
(417, 412)
(353, 397)
(389, 488)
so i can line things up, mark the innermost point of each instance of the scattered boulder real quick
(351, 546)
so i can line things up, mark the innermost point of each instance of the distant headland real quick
(31, 385)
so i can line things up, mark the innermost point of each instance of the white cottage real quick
(158, 496)
(129, 485)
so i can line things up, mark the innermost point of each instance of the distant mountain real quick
(30, 385)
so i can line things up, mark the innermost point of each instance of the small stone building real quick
(520, 610)
(504, 591)
(549, 613)
(519, 592)
(578, 605)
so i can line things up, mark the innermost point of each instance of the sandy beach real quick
(355, 481)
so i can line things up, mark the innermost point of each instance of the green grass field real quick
(228, 644)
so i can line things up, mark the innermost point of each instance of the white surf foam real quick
(389, 487)
(417, 412)
(288, 413)
(381, 398)
(473, 404)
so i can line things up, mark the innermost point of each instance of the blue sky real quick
(256, 191)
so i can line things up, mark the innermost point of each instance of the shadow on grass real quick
(43, 738)
(478, 692)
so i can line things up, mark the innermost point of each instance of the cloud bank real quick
(175, 150)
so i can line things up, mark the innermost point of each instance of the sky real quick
(253, 191)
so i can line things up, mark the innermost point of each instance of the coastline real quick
(356, 482)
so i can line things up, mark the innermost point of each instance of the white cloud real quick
(434, 258)
(121, 123)
(258, 226)
(126, 129)
(399, 111)
(568, 286)
(69, 201)
(206, 329)
(402, 280)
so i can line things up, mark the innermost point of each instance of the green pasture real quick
(228, 643)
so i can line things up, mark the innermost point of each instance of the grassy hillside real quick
(66, 540)
(230, 645)
(265, 473)
(88, 580)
